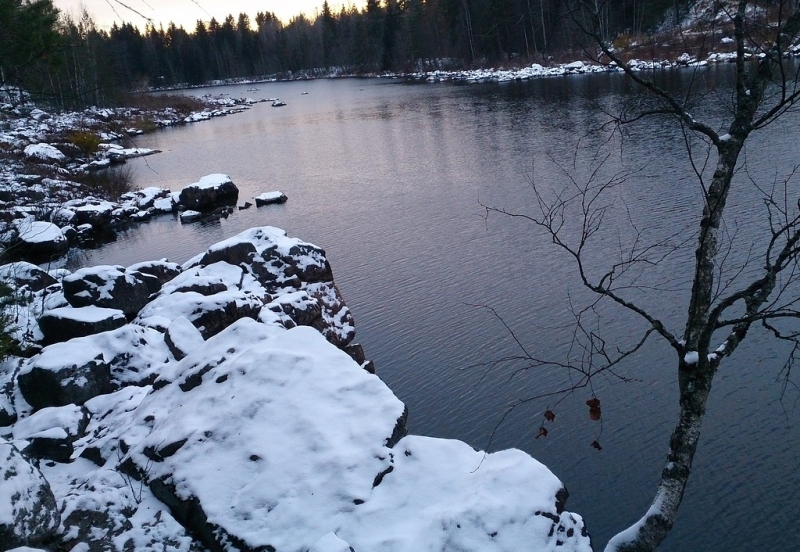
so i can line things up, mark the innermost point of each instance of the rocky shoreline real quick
(48, 156)
(222, 404)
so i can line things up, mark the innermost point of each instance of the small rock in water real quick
(268, 198)
(191, 216)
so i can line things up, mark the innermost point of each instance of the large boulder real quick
(51, 432)
(26, 274)
(105, 286)
(161, 271)
(212, 298)
(45, 153)
(276, 259)
(65, 373)
(39, 238)
(182, 337)
(211, 191)
(98, 214)
(29, 515)
(296, 275)
(311, 436)
(65, 323)
(453, 497)
(209, 314)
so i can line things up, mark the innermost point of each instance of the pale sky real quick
(187, 12)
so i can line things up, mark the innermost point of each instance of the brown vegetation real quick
(108, 183)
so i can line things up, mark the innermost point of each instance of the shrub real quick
(108, 183)
(86, 141)
(180, 103)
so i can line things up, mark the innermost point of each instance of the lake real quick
(389, 178)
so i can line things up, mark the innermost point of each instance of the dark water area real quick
(389, 179)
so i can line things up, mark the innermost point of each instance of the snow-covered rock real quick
(98, 214)
(25, 274)
(163, 271)
(44, 152)
(190, 216)
(182, 337)
(65, 373)
(51, 432)
(65, 323)
(268, 198)
(29, 514)
(110, 287)
(37, 238)
(210, 191)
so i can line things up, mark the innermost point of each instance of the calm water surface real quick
(389, 178)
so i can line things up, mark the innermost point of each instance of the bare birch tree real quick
(719, 315)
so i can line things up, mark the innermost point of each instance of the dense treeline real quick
(84, 64)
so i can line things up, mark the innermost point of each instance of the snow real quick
(134, 352)
(39, 232)
(629, 535)
(44, 152)
(24, 482)
(90, 314)
(41, 423)
(301, 429)
(107, 274)
(164, 205)
(270, 196)
(190, 216)
(20, 270)
(447, 495)
(212, 181)
(100, 207)
(330, 543)
(691, 357)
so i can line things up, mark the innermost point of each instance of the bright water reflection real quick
(388, 179)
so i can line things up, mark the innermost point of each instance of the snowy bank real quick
(46, 160)
(233, 412)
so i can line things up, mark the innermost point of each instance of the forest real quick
(72, 62)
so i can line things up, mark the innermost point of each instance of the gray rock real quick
(153, 284)
(182, 337)
(270, 198)
(26, 274)
(52, 432)
(106, 286)
(94, 529)
(191, 216)
(221, 313)
(66, 323)
(47, 380)
(32, 516)
(97, 215)
(37, 239)
(209, 192)
(237, 254)
(164, 271)
(300, 308)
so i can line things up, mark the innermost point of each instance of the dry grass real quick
(87, 142)
(108, 183)
(157, 102)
